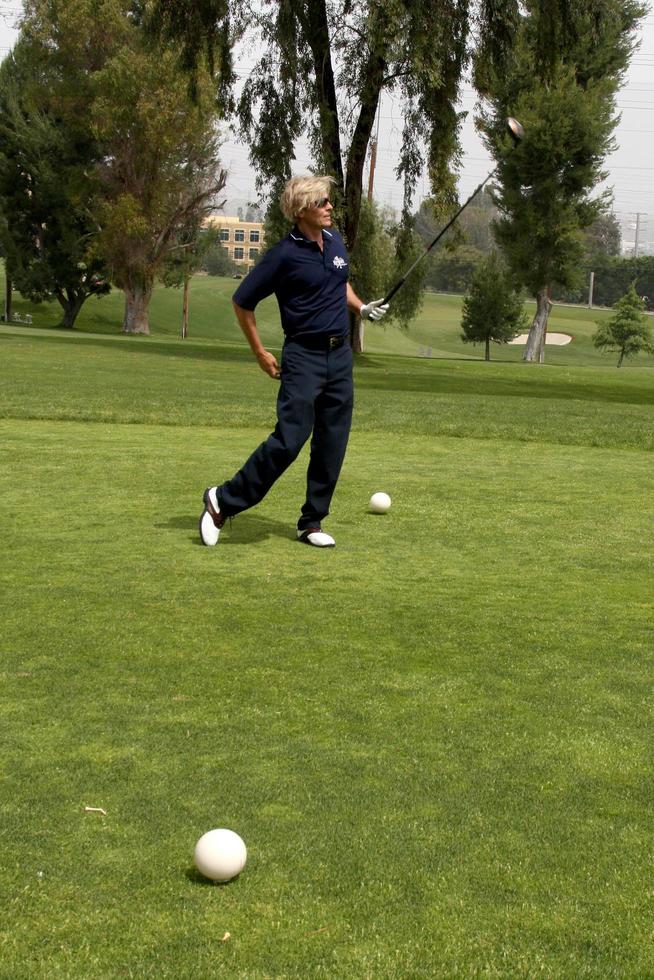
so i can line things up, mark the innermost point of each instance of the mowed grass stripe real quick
(182, 383)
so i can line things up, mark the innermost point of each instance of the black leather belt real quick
(318, 341)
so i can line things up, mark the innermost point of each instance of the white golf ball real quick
(220, 855)
(380, 503)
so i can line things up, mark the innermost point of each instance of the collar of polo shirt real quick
(301, 238)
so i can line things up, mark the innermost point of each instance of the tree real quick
(451, 265)
(628, 331)
(201, 31)
(492, 310)
(323, 67)
(452, 270)
(559, 77)
(45, 190)
(603, 238)
(407, 302)
(374, 264)
(602, 243)
(156, 166)
(159, 175)
(372, 260)
(218, 263)
(473, 228)
(614, 275)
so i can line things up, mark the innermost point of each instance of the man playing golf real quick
(308, 273)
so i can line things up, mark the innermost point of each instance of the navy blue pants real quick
(315, 396)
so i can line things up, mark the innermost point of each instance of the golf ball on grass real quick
(220, 855)
(380, 503)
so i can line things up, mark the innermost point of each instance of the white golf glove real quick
(374, 310)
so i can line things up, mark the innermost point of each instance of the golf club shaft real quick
(398, 285)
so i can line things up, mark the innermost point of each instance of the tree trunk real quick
(356, 333)
(9, 290)
(488, 348)
(185, 309)
(621, 358)
(373, 72)
(535, 349)
(316, 27)
(137, 301)
(71, 305)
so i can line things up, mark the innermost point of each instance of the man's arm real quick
(353, 301)
(247, 321)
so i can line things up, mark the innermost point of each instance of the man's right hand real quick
(268, 363)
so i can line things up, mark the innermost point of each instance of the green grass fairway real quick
(435, 739)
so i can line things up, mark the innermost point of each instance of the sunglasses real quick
(322, 203)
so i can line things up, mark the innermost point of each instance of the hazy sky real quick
(631, 167)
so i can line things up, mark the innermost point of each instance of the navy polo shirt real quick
(310, 284)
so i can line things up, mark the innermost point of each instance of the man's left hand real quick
(268, 363)
(374, 311)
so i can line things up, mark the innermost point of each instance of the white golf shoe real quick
(211, 519)
(314, 536)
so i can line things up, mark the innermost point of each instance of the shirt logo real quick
(339, 262)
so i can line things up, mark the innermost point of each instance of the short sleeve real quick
(261, 281)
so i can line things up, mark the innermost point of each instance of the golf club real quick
(517, 132)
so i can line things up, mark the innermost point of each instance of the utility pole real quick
(591, 285)
(373, 161)
(637, 236)
(373, 154)
(371, 184)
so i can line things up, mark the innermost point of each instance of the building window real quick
(254, 236)
(224, 234)
(254, 253)
(239, 235)
(238, 254)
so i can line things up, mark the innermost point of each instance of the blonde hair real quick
(301, 192)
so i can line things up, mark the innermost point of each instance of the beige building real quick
(242, 239)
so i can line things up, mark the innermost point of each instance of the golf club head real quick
(516, 129)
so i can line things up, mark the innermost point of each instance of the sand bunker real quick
(558, 339)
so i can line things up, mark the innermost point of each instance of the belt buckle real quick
(334, 342)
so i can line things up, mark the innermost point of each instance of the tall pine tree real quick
(559, 76)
